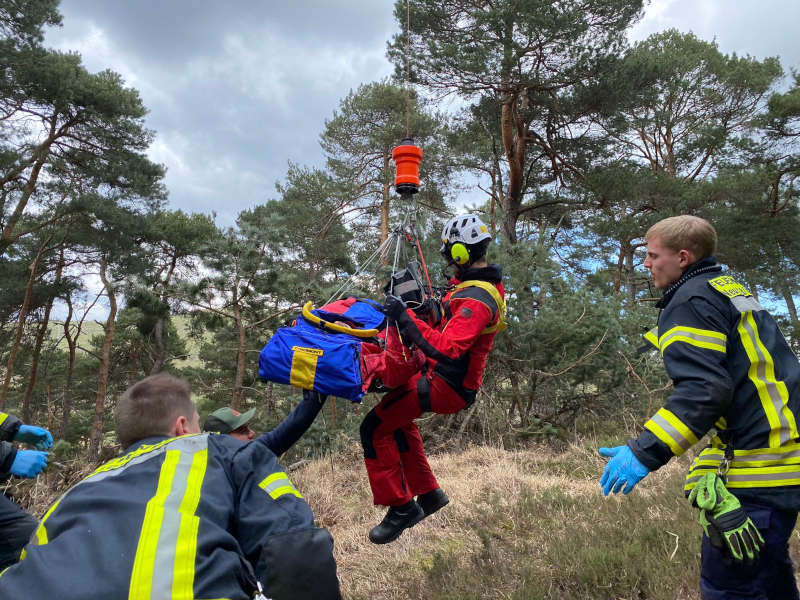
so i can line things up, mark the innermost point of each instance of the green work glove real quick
(724, 521)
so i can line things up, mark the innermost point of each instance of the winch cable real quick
(362, 268)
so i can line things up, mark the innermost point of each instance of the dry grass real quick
(478, 480)
(523, 524)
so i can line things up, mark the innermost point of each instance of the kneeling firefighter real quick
(455, 352)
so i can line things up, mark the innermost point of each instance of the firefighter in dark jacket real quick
(736, 378)
(181, 514)
(16, 525)
(455, 350)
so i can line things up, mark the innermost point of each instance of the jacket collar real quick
(491, 273)
(705, 265)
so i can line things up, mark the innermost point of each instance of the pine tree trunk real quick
(71, 344)
(96, 435)
(40, 336)
(385, 200)
(241, 362)
(23, 314)
(630, 283)
(158, 335)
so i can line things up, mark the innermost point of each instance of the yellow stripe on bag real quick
(304, 366)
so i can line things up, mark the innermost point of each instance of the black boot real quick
(432, 501)
(396, 520)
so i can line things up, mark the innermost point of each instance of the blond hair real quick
(149, 408)
(685, 232)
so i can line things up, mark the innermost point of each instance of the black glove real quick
(394, 308)
(315, 396)
(430, 310)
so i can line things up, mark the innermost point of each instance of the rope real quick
(360, 269)
(422, 258)
(408, 68)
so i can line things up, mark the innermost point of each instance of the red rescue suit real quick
(455, 352)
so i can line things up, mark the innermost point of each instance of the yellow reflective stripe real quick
(672, 431)
(186, 548)
(751, 468)
(773, 393)
(702, 338)
(652, 336)
(144, 563)
(40, 537)
(304, 366)
(119, 462)
(277, 485)
(285, 489)
(500, 324)
(3, 417)
(721, 423)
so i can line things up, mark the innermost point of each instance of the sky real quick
(236, 94)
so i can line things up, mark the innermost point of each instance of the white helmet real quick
(461, 231)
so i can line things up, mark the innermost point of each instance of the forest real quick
(579, 138)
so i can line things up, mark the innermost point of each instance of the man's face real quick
(243, 433)
(666, 265)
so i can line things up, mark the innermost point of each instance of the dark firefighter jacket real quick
(733, 372)
(193, 517)
(9, 426)
(457, 349)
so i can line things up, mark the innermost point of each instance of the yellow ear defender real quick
(459, 253)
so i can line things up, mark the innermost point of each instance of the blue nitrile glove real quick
(623, 468)
(394, 308)
(28, 463)
(35, 436)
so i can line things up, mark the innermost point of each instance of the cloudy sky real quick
(235, 94)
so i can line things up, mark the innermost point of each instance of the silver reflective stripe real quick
(736, 477)
(277, 484)
(765, 457)
(745, 303)
(191, 443)
(170, 524)
(684, 333)
(743, 460)
(671, 431)
(785, 430)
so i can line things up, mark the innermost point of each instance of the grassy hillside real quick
(92, 328)
(526, 525)
(521, 525)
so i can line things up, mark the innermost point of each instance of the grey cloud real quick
(233, 94)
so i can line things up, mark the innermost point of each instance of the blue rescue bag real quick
(308, 357)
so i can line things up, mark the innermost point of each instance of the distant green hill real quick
(92, 328)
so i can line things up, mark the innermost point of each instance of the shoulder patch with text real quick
(728, 286)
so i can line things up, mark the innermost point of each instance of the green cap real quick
(225, 420)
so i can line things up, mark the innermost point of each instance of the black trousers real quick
(771, 578)
(16, 528)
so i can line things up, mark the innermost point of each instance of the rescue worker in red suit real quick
(455, 349)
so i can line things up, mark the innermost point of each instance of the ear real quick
(179, 426)
(686, 258)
